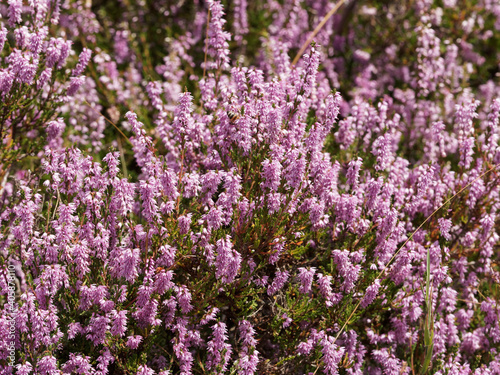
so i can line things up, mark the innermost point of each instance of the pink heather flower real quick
(231, 195)
(218, 46)
(332, 354)
(44, 78)
(79, 364)
(371, 293)
(183, 124)
(47, 365)
(347, 133)
(466, 152)
(438, 128)
(97, 328)
(57, 52)
(490, 309)
(191, 185)
(124, 197)
(150, 191)
(361, 56)
(122, 294)
(210, 182)
(448, 300)
(3, 37)
(184, 223)
(306, 278)
(287, 320)
(219, 352)
(144, 370)
(382, 149)
(332, 110)
(353, 172)
(271, 173)
(278, 247)
(65, 48)
(15, 11)
(134, 341)
(430, 63)
(210, 316)
(444, 227)
(304, 348)
(83, 61)
(325, 288)
(144, 293)
(141, 142)
(424, 180)
(387, 225)
(273, 125)
(24, 369)
(169, 316)
(163, 282)
(294, 172)
(248, 357)
(103, 361)
(119, 324)
(278, 282)
(111, 159)
(52, 278)
(154, 91)
(261, 281)
(6, 81)
(146, 315)
(346, 269)
(54, 131)
(390, 364)
(311, 62)
(74, 85)
(183, 296)
(167, 255)
(23, 66)
(37, 40)
(23, 37)
(127, 263)
(247, 333)
(41, 8)
(74, 329)
(227, 262)
(240, 25)
(493, 120)
(121, 46)
(372, 193)
(464, 117)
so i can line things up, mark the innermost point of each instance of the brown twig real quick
(317, 29)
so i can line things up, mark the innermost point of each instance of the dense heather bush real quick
(178, 197)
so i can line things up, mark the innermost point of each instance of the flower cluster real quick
(189, 199)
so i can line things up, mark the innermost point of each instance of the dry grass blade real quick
(316, 30)
(409, 239)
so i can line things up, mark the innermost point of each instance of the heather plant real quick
(332, 213)
(35, 80)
